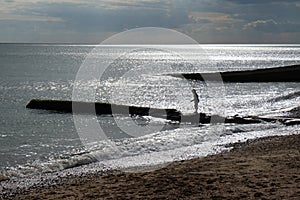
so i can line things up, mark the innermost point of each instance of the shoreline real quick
(260, 168)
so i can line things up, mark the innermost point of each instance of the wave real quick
(286, 97)
(47, 167)
(132, 150)
(106, 151)
(295, 112)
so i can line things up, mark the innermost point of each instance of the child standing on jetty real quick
(196, 100)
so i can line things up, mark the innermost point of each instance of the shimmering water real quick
(34, 141)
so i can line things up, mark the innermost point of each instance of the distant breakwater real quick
(277, 74)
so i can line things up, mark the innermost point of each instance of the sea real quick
(39, 142)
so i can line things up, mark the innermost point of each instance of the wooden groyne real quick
(109, 109)
(101, 108)
(169, 114)
(278, 74)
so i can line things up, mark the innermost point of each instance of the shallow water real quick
(35, 141)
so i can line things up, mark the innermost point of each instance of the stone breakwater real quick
(276, 74)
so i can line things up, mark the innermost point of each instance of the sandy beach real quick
(150, 99)
(265, 168)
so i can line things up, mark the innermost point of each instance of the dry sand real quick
(267, 168)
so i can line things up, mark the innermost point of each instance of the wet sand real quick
(267, 168)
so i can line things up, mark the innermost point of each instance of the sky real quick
(206, 21)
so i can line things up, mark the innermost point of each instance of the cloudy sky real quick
(207, 21)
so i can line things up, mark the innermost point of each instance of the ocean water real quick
(37, 141)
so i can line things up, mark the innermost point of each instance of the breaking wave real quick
(179, 144)
(286, 97)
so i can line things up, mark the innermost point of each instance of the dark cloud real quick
(224, 20)
(89, 18)
(261, 1)
(279, 12)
